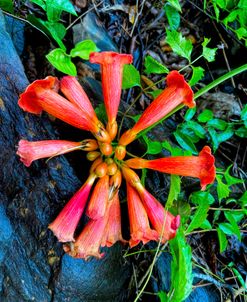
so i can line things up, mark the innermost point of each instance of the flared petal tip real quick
(75, 252)
(61, 234)
(28, 97)
(144, 236)
(108, 57)
(23, 152)
(208, 172)
(174, 78)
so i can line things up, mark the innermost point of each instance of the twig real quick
(92, 8)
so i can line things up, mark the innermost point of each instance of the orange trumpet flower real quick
(139, 224)
(113, 232)
(66, 222)
(201, 166)
(42, 95)
(30, 151)
(112, 64)
(176, 93)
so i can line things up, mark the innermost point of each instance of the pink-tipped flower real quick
(162, 221)
(89, 241)
(113, 232)
(66, 222)
(30, 151)
(42, 95)
(201, 166)
(112, 64)
(139, 224)
(176, 93)
(99, 199)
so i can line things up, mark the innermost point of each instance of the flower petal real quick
(162, 221)
(42, 95)
(89, 241)
(201, 166)
(113, 232)
(73, 91)
(139, 224)
(99, 199)
(66, 222)
(112, 70)
(176, 93)
(30, 151)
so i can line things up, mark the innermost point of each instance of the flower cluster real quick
(98, 197)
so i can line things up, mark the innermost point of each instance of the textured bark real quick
(33, 266)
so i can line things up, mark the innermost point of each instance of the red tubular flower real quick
(139, 224)
(176, 93)
(73, 91)
(201, 166)
(162, 221)
(66, 222)
(30, 151)
(99, 199)
(42, 95)
(112, 69)
(89, 241)
(113, 232)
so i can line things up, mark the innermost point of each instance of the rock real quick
(33, 266)
(91, 28)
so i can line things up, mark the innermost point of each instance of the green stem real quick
(220, 80)
(205, 89)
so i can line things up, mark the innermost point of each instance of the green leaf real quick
(63, 5)
(205, 116)
(175, 4)
(225, 135)
(231, 17)
(83, 49)
(174, 191)
(163, 296)
(155, 93)
(40, 3)
(61, 61)
(101, 112)
(7, 5)
(197, 75)
(223, 190)
(244, 113)
(240, 278)
(197, 128)
(206, 225)
(208, 53)
(185, 142)
(131, 77)
(233, 223)
(222, 240)
(179, 44)
(56, 30)
(229, 229)
(199, 217)
(153, 147)
(201, 197)
(241, 32)
(243, 199)
(217, 124)
(173, 16)
(190, 113)
(181, 268)
(214, 137)
(153, 66)
(230, 180)
(241, 132)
